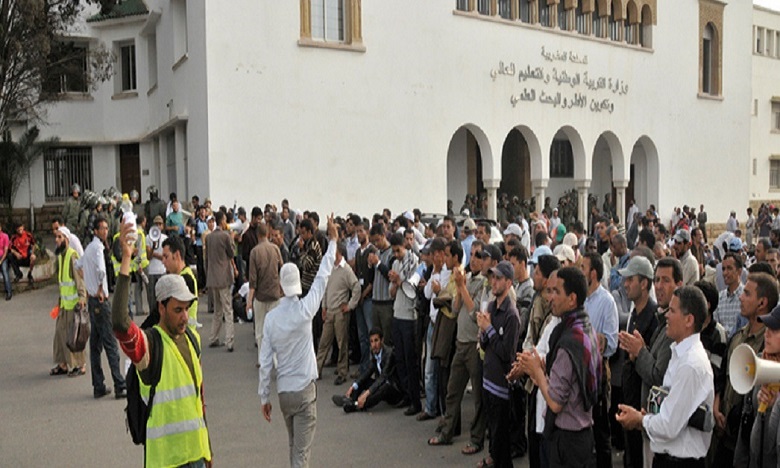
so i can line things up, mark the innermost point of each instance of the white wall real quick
(387, 115)
(766, 84)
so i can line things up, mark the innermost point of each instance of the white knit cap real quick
(290, 278)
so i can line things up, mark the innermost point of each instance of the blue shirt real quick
(466, 244)
(287, 334)
(603, 313)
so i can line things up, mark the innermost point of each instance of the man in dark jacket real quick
(378, 383)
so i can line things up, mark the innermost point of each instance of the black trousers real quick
(388, 392)
(407, 359)
(535, 440)
(517, 397)
(661, 460)
(601, 433)
(634, 455)
(570, 449)
(498, 421)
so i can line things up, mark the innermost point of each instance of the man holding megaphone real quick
(756, 445)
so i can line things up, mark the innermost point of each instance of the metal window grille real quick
(64, 167)
(525, 11)
(561, 159)
(544, 13)
(462, 5)
(327, 20)
(128, 68)
(483, 6)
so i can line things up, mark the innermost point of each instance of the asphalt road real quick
(54, 421)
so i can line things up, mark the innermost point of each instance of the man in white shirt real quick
(287, 334)
(689, 382)
(93, 266)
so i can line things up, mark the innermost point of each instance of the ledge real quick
(124, 95)
(537, 27)
(709, 97)
(305, 42)
(181, 60)
(75, 97)
(152, 90)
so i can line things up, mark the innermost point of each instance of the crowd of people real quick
(571, 339)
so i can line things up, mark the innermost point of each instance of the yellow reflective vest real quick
(139, 260)
(176, 431)
(69, 294)
(193, 311)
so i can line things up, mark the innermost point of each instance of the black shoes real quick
(230, 349)
(120, 393)
(8, 296)
(340, 400)
(215, 344)
(100, 393)
(339, 380)
(411, 411)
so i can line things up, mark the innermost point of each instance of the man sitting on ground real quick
(378, 383)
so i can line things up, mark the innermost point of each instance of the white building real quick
(765, 121)
(348, 105)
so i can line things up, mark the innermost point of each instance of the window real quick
(180, 39)
(776, 116)
(483, 7)
(127, 67)
(64, 167)
(706, 75)
(504, 9)
(462, 5)
(774, 174)
(597, 22)
(151, 53)
(580, 19)
(614, 24)
(544, 13)
(646, 28)
(563, 18)
(759, 41)
(326, 22)
(525, 11)
(561, 159)
(67, 72)
(770, 43)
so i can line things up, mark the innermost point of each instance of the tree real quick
(37, 61)
(16, 158)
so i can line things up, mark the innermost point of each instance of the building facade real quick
(348, 105)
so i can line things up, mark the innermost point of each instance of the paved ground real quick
(54, 421)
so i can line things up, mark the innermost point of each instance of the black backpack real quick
(137, 412)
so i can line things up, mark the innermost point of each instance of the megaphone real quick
(409, 287)
(155, 234)
(746, 370)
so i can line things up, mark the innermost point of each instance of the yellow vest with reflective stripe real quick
(69, 295)
(140, 258)
(193, 312)
(176, 430)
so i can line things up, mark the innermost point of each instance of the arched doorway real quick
(608, 167)
(516, 167)
(567, 165)
(464, 164)
(644, 173)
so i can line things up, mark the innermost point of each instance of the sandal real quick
(471, 449)
(77, 371)
(486, 462)
(57, 370)
(438, 441)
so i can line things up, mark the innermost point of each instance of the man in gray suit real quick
(221, 270)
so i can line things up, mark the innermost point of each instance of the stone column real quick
(181, 161)
(582, 201)
(540, 185)
(620, 202)
(491, 185)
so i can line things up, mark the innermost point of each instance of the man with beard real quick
(569, 380)
(651, 360)
(73, 295)
(643, 321)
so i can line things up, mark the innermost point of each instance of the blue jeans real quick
(101, 337)
(6, 277)
(364, 325)
(431, 370)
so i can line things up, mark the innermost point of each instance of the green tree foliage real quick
(39, 60)
(16, 158)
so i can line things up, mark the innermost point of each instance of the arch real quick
(618, 9)
(632, 12)
(646, 27)
(469, 157)
(647, 15)
(516, 164)
(645, 173)
(710, 60)
(567, 161)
